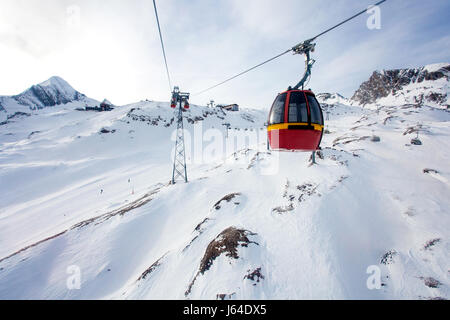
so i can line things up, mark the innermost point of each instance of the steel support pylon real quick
(179, 163)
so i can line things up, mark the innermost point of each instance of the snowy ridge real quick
(160, 113)
(427, 85)
(331, 98)
(237, 230)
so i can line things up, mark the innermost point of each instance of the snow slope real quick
(251, 224)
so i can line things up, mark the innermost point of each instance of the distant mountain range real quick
(427, 85)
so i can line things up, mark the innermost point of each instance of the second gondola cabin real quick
(295, 122)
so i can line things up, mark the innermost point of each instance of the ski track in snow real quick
(313, 230)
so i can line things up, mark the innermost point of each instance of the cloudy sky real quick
(110, 49)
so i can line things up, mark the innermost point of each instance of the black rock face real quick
(48, 99)
(382, 84)
(2, 109)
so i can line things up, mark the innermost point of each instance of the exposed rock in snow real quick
(430, 244)
(152, 268)
(256, 276)
(226, 243)
(227, 198)
(225, 296)
(430, 171)
(388, 257)
(375, 139)
(431, 282)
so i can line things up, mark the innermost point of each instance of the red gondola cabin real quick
(296, 122)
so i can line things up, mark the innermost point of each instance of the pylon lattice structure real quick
(179, 163)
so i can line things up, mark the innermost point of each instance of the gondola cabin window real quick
(298, 111)
(277, 113)
(316, 115)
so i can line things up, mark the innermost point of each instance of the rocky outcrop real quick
(226, 243)
(390, 82)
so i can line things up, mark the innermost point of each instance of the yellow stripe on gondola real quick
(284, 126)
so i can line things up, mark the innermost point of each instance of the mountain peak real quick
(52, 92)
(55, 81)
(57, 86)
(428, 84)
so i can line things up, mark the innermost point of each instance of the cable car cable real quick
(347, 20)
(162, 46)
(244, 72)
(292, 49)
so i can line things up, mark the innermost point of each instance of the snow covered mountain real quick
(428, 85)
(55, 91)
(86, 196)
(331, 98)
